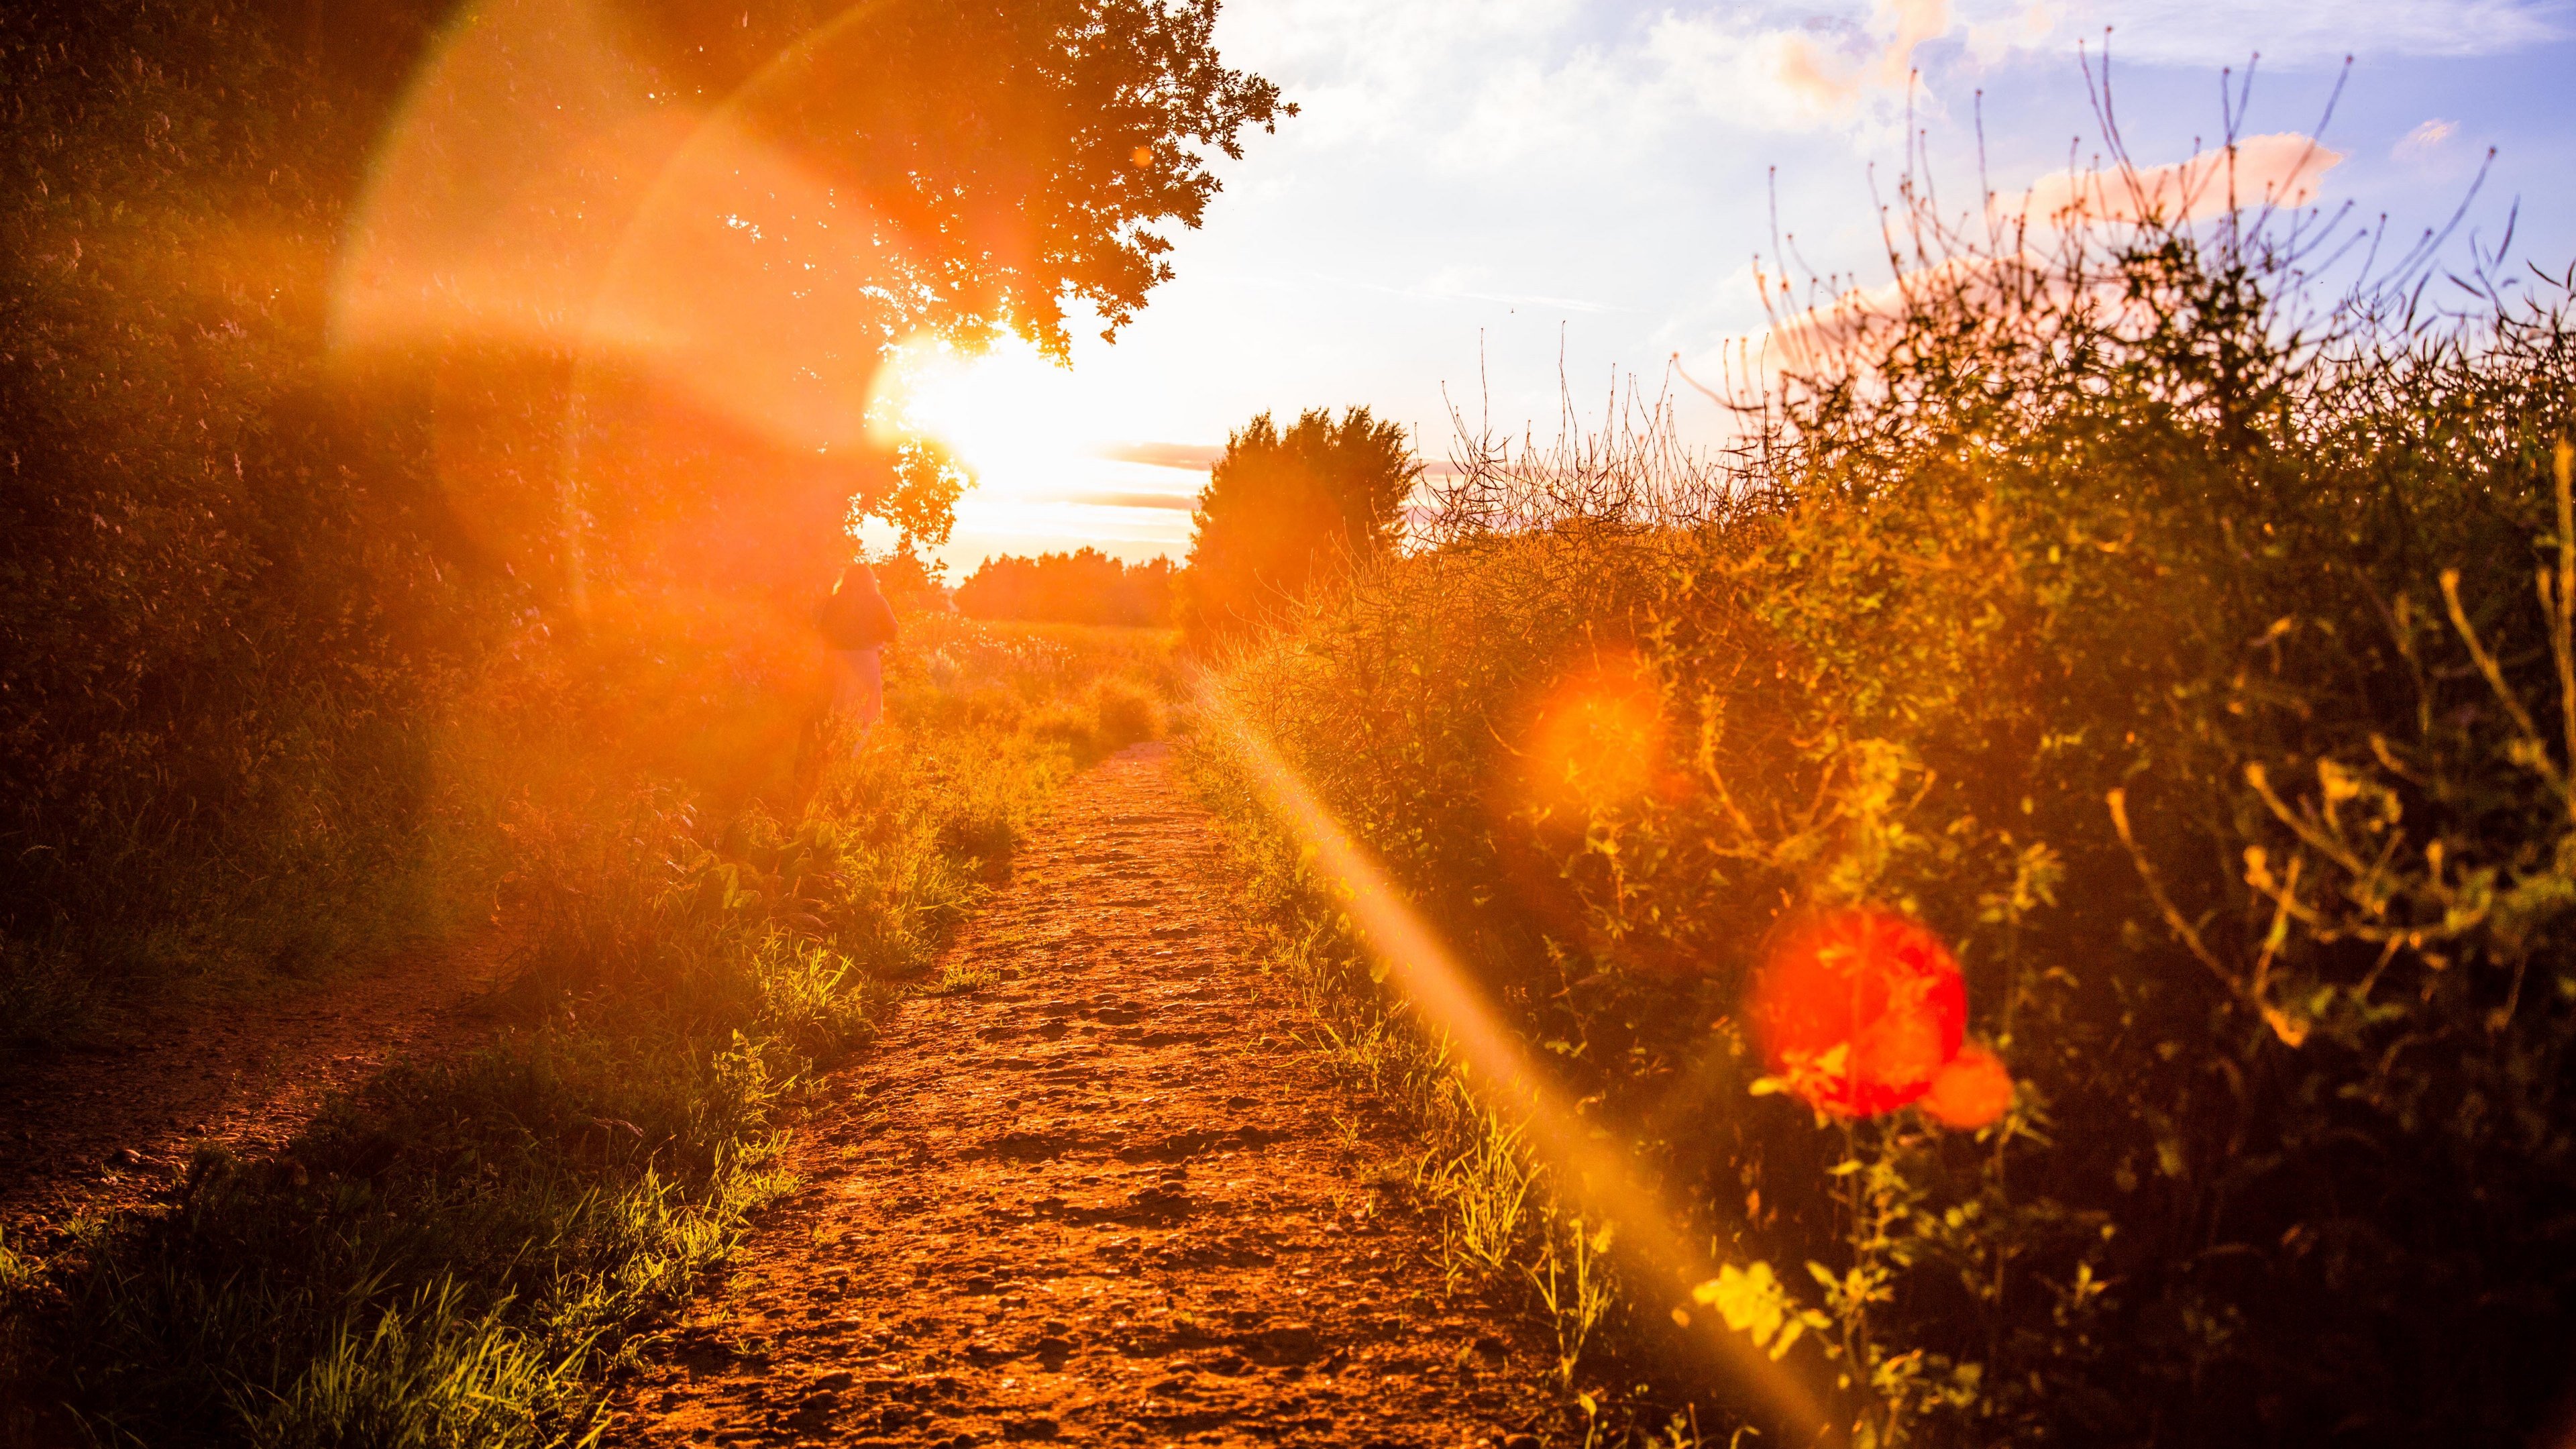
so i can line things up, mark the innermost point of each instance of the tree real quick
(306, 400)
(1283, 509)
(716, 221)
(1024, 152)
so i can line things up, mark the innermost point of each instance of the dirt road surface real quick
(113, 1126)
(1104, 1199)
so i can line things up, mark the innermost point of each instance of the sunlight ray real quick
(1439, 988)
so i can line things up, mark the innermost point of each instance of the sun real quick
(1016, 419)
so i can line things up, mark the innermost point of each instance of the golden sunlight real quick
(644, 601)
(1016, 419)
(1596, 739)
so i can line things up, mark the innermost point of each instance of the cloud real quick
(2281, 170)
(1179, 502)
(1815, 72)
(1487, 86)
(1835, 82)
(1192, 457)
(1841, 67)
(2031, 27)
(2284, 169)
(2424, 141)
(2300, 33)
(1367, 73)
(1850, 325)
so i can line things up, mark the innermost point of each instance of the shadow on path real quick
(113, 1127)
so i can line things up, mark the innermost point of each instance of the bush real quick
(1286, 508)
(2181, 667)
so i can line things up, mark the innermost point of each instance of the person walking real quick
(857, 624)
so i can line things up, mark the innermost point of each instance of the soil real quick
(112, 1126)
(1104, 1199)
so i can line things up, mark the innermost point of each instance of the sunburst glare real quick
(1014, 417)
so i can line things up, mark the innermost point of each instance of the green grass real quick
(1500, 1220)
(457, 1253)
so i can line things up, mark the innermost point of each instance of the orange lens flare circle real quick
(1595, 739)
(1973, 1091)
(1860, 1011)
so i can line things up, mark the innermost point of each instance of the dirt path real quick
(112, 1127)
(1102, 1200)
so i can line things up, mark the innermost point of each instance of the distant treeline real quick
(1082, 587)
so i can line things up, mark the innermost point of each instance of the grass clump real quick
(2189, 658)
(963, 980)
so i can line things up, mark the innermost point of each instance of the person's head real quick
(857, 578)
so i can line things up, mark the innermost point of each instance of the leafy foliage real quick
(1284, 508)
(255, 599)
(2199, 676)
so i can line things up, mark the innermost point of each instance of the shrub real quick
(1284, 508)
(2181, 666)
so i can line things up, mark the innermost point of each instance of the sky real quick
(1487, 204)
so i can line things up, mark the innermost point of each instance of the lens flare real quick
(656, 302)
(1858, 1012)
(1608, 1188)
(648, 312)
(1010, 413)
(1595, 738)
(1973, 1091)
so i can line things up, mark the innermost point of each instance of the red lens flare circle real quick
(1859, 1011)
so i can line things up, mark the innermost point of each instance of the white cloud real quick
(1482, 86)
(2297, 33)
(2033, 26)
(2425, 141)
(1367, 72)
(1852, 71)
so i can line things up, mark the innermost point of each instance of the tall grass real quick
(229, 615)
(2189, 654)
(456, 1254)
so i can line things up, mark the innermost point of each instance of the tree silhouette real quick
(247, 560)
(1283, 509)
